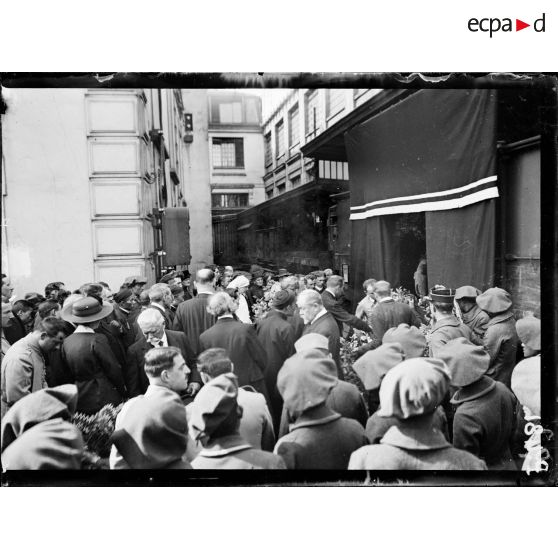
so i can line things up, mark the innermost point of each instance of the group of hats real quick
(494, 300)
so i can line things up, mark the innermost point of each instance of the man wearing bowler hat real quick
(446, 326)
(89, 358)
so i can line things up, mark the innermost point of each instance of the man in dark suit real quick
(18, 326)
(161, 298)
(152, 326)
(277, 338)
(240, 340)
(318, 320)
(331, 298)
(389, 313)
(192, 317)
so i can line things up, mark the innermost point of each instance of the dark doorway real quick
(410, 229)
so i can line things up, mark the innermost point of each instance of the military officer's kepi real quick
(442, 295)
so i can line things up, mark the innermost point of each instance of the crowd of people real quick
(244, 370)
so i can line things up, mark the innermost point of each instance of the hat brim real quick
(66, 314)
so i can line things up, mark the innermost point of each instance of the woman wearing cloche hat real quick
(411, 391)
(500, 339)
(486, 415)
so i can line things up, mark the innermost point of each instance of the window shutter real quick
(239, 152)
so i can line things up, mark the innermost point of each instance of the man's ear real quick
(165, 376)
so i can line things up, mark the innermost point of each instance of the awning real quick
(330, 145)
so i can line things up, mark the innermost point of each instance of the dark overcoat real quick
(344, 399)
(320, 439)
(390, 313)
(327, 326)
(277, 338)
(135, 376)
(335, 307)
(500, 342)
(477, 320)
(445, 330)
(95, 370)
(192, 318)
(484, 423)
(244, 348)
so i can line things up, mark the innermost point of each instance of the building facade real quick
(87, 176)
(236, 162)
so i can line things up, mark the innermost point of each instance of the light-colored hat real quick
(526, 384)
(494, 300)
(413, 387)
(213, 404)
(305, 380)
(466, 292)
(529, 332)
(311, 341)
(410, 338)
(238, 282)
(372, 366)
(466, 362)
(86, 310)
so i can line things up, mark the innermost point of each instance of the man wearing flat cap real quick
(214, 422)
(89, 358)
(473, 317)
(486, 412)
(500, 339)
(318, 437)
(277, 338)
(445, 325)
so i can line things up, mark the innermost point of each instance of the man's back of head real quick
(335, 282)
(214, 362)
(205, 277)
(382, 289)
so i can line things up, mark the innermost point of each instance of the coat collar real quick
(473, 391)
(315, 417)
(225, 446)
(277, 313)
(471, 314)
(499, 318)
(416, 434)
(450, 321)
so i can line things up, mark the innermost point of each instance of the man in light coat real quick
(24, 367)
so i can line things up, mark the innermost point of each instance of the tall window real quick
(279, 139)
(267, 147)
(335, 101)
(312, 113)
(228, 153)
(293, 126)
(229, 200)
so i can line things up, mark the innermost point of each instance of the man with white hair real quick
(240, 341)
(160, 299)
(192, 317)
(318, 320)
(152, 325)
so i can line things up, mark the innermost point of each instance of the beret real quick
(311, 341)
(122, 294)
(466, 292)
(413, 387)
(529, 332)
(305, 380)
(374, 365)
(282, 299)
(466, 362)
(410, 338)
(213, 404)
(494, 300)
